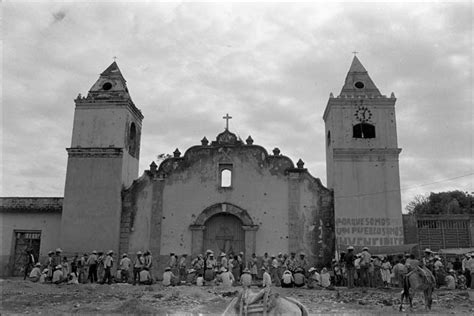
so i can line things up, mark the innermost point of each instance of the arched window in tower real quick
(328, 139)
(133, 140)
(226, 178)
(363, 130)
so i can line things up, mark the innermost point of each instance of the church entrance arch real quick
(223, 227)
(224, 233)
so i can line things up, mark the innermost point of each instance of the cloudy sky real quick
(270, 66)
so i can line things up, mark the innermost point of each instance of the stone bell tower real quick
(103, 158)
(362, 163)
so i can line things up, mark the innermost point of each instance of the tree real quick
(450, 202)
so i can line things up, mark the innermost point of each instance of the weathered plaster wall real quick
(92, 204)
(102, 125)
(367, 202)
(293, 211)
(48, 223)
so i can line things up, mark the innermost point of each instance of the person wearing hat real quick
(58, 276)
(125, 265)
(50, 266)
(450, 280)
(108, 264)
(44, 276)
(57, 257)
(314, 279)
(266, 260)
(144, 277)
(253, 266)
(301, 262)
(210, 265)
(287, 279)
(246, 278)
(35, 273)
(428, 254)
(349, 259)
(226, 277)
(291, 262)
(82, 268)
(198, 264)
(168, 277)
(138, 265)
(266, 278)
(364, 267)
(92, 264)
(173, 263)
(223, 262)
(274, 271)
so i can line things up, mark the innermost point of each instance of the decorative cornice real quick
(361, 153)
(95, 152)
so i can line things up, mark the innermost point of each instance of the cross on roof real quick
(115, 58)
(355, 53)
(227, 118)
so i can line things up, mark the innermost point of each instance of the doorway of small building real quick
(24, 240)
(224, 233)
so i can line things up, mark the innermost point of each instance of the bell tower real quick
(362, 163)
(103, 159)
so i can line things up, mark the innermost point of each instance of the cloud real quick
(271, 66)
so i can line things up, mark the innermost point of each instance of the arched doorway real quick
(223, 233)
(223, 226)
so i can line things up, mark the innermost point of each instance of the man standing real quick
(274, 271)
(349, 260)
(183, 266)
(29, 262)
(92, 263)
(108, 264)
(125, 264)
(82, 267)
(364, 267)
(291, 262)
(149, 262)
(137, 267)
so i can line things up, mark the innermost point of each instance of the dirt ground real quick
(24, 297)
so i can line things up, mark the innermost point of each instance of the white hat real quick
(365, 248)
(222, 254)
(428, 250)
(311, 269)
(59, 266)
(94, 252)
(58, 250)
(223, 269)
(139, 252)
(350, 248)
(110, 252)
(38, 265)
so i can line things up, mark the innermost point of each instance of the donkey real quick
(420, 279)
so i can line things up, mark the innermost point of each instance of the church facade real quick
(223, 194)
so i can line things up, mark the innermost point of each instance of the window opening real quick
(363, 130)
(226, 178)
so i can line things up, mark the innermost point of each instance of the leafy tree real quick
(450, 202)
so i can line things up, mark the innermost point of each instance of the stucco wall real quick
(92, 204)
(293, 211)
(48, 223)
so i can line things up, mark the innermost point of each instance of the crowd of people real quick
(351, 270)
(364, 269)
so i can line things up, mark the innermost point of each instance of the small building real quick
(439, 231)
